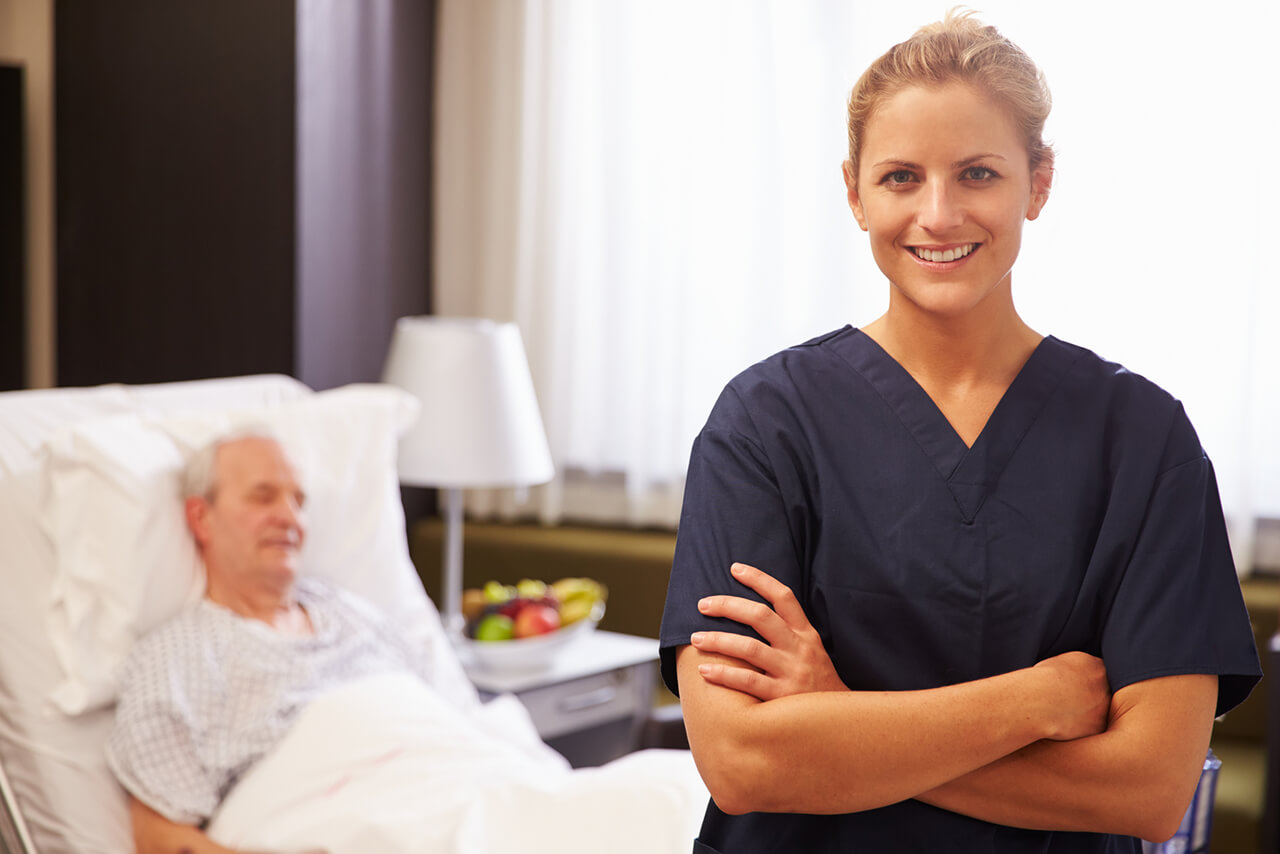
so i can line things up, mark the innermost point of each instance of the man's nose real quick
(940, 208)
(289, 512)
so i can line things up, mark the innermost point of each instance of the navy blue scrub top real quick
(1084, 517)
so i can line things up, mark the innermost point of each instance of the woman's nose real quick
(939, 208)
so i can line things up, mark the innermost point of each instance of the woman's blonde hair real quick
(958, 48)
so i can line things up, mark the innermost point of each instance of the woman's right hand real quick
(791, 659)
(1077, 696)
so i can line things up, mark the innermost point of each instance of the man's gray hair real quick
(199, 479)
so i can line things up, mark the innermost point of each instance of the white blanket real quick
(385, 766)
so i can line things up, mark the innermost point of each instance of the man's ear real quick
(197, 511)
(1041, 183)
(851, 190)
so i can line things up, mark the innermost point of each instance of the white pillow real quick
(126, 562)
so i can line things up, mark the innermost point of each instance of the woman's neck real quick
(980, 348)
(964, 364)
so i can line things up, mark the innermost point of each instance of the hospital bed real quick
(94, 552)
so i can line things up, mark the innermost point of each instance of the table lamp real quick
(479, 425)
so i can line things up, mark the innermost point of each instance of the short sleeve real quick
(733, 511)
(1179, 608)
(153, 748)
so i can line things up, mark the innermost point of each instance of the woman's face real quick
(943, 187)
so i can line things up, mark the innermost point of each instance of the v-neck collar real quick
(970, 472)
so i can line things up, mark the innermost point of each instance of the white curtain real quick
(651, 189)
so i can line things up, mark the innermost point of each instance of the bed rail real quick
(13, 830)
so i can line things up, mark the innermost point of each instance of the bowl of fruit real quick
(523, 626)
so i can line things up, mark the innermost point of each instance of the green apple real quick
(495, 627)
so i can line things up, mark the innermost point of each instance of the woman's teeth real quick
(943, 255)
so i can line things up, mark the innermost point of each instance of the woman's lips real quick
(943, 259)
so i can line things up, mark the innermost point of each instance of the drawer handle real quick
(588, 700)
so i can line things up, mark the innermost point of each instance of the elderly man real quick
(211, 692)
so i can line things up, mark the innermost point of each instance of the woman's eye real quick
(979, 173)
(898, 176)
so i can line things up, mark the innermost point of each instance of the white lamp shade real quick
(479, 424)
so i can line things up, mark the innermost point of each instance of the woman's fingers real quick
(757, 615)
(740, 647)
(775, 592)
(790, 660)
(742, 679)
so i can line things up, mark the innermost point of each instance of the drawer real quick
(580, 703)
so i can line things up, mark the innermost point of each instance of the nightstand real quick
(591, 702)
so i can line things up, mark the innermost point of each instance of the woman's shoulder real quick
(778, 382)
(1107, 375)
(797, 365)
(1125, 401)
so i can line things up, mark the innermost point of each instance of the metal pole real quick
(452, 577)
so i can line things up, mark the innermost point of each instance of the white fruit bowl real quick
(525, 654)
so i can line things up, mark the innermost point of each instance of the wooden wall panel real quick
(175, 191)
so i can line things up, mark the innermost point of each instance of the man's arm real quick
(844, 751)
(155, 834)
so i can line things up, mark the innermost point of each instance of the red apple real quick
(536, 620)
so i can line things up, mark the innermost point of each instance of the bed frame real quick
(14, 837)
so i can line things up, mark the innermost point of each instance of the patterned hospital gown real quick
(208, 694)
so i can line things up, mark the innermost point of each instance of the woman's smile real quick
(946, 258)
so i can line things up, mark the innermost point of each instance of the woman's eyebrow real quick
(969, 161)
(959, 164)
(899, 164)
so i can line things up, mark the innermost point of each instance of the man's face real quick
(252, 527)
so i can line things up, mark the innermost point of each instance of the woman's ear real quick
(1041, 182)
(851, 190)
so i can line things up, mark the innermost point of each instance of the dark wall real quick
(228, 202)
(175, 189)
(13, 233)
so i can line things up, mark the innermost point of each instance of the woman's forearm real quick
(1136, 778)
(836, 752)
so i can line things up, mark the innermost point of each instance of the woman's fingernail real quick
(704, 604)
(697, 637)
(704, 669)
(737, 569)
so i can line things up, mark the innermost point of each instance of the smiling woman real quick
(943, 581)
(657, 205)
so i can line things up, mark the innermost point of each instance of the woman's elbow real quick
(732, 803)
(735, 776)
(1161, 822)
(1158, 813)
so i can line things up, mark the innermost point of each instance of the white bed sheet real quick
(386, 765)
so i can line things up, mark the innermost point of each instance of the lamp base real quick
(451, 578)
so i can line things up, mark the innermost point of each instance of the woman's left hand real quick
(792, 660)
